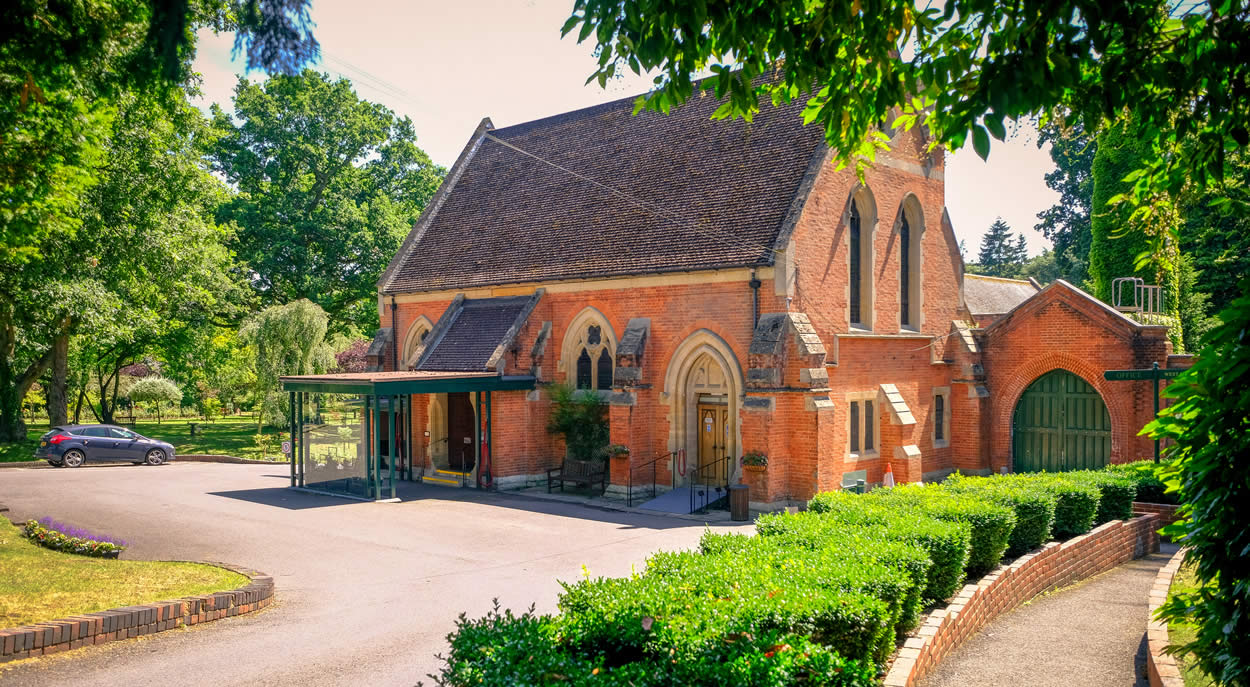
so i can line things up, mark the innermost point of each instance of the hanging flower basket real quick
(618, 451)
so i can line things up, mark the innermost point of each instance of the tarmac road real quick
(366, 592)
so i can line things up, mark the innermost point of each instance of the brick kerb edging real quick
(88, 629)
(1054, 565)
(1161, 667)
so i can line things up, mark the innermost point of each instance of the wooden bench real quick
(581, 472)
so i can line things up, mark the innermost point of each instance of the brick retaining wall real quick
(1165, 511)
(1161, 667)
(1008, 586)
(122, 623)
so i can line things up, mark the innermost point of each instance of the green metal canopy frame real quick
(397, 388)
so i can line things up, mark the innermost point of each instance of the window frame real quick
(865, 408)
(945, 393)
(578, 343)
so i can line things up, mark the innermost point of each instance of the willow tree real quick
(287, 339)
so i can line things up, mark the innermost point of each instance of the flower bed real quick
(69, 539)
(822, 597)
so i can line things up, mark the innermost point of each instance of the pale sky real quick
(448, 65)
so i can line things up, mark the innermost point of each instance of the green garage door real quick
(1060, 424)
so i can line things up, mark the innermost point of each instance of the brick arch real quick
(1025, 374)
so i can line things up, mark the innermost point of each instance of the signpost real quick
(1153, 373)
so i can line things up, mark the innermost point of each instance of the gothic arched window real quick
(594, 357)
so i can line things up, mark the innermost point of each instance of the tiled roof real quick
(684, 192)
(475, 331)
(986, 295)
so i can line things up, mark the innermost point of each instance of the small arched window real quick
(595, 359)
(904, 273)
(856, 268)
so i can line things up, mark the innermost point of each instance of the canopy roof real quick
(405, 382)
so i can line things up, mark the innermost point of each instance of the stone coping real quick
(1160, 667)
(88, 629)
(1056, 564)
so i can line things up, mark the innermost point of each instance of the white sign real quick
(286, 447)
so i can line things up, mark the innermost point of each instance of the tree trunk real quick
(58, 401)
(82, 391)
(13, 384)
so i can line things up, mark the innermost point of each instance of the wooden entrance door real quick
(461, 439)
(1061, 423)
(713, 443)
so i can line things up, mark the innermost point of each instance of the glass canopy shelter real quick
(352, 434)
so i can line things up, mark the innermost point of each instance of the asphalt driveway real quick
(366, 592)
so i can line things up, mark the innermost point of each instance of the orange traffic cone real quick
(888, 479)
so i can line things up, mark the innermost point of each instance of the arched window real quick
(856, 268)
(417, 331)
(910, 232)
(861, 227)
(590, 346)
(904, 273)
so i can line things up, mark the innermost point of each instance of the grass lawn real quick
(228, 436)
(1183, 633)
(39, 584)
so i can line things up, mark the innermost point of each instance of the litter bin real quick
(739, 502)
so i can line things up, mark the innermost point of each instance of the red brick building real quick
(725, 289)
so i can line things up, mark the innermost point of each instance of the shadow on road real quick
(408, 492)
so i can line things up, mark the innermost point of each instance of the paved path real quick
(1091, 634)
(366, 592)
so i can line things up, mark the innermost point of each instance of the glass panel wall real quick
(340, 448)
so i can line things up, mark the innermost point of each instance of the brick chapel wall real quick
(677, 310)
(1072, 332)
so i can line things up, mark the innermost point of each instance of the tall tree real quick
(1115, 249)
(62, 66)
(1002, 253)
(329, 185)
(1067, 222)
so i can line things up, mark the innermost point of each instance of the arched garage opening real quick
(1060, 423)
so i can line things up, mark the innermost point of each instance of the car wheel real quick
(73, 458)
(155, 457)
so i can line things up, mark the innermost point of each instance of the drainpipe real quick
(394, 334)
(755, 300)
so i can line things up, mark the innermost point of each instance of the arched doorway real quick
(705, 385)
(1060, 423)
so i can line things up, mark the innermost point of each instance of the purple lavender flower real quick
(71, 531)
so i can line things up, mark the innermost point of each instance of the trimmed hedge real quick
(990, 523)
(1150, 489)
(1034, 508)
(1116, 493)
(1076, 502)
(947, 543)
(502, 648)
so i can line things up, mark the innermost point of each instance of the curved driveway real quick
(366, 592)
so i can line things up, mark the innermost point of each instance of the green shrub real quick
(687, 603)
(991, 523)
(1076, 502)
(1115, 493)
(1034, 508)
(947, 543)
(1150, 487)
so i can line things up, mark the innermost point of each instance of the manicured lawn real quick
(39, 584)
(1183, 633)
(229, 436)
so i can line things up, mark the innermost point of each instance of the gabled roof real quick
(474, 333)
(1060, 289)
(986, 295)
(602, 192)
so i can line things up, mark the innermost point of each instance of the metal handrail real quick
(629, 489)
(697, 480)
